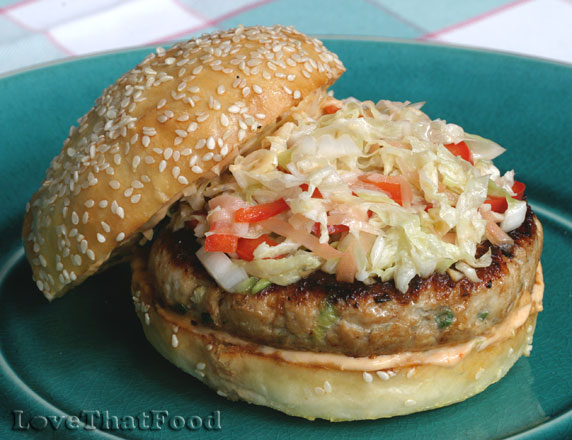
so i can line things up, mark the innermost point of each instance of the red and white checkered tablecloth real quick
(38, 31)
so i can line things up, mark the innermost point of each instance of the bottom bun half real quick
(316, 386)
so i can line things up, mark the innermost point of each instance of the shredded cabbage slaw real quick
(371, 191)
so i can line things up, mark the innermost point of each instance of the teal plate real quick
(87, 352)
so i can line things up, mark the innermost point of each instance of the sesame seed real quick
(234, 109)
(197, 70)
(184, 117)
(103, 204)
(178, 140)
(527, 350)
(382, 375)
(76, 260)
(241, 134)
(210, 143)
(74, 218)
(91, 255)
(162, 118)
(149, 160)
(105, 227)
(183, 180)
(100, 238)
(174, 341)
(260, 116)
(136, 184)
(287, 90)
(120, 236)
(89, 203)
(246, 91)
(162, 166)
(135, 162)
(120, 212)
(257, 89)
(203, 117)
(161, 104)
(192, 127)
(220, 89)
(114, 184)
(207, 157)
(201, 366)
(145, 140)
(196, 169)
(368, 378)
(136, 198)
(297, 94)
(319, 391)
(181, 133)
(224, 120)
(327, 387)
(147, 319)
(187, 152)
(176, 171)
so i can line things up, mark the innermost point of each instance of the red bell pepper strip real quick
(261, 212)
(498, 204)
(221, 243)
(330, 109)
(316, 194)
(518, 188)
(247, 246)
(462, 150)
(392, 189)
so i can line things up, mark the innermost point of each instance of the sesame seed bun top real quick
(180, 115)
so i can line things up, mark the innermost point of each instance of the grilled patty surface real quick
(320, 314)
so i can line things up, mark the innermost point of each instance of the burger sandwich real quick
(328, 258)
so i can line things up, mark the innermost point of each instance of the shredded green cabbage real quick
(333, 153)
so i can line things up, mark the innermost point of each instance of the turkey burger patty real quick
(318, 313)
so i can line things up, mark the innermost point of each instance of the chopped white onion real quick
(227, 274)
(514, 215)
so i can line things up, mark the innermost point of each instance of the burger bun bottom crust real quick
(240, 371)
